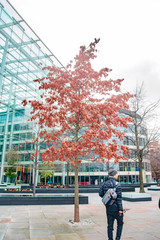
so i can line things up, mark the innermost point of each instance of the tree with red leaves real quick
(79, 114)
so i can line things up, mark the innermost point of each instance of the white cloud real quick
(129, 32)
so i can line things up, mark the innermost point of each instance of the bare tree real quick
(142, 113)
(35, 157)
(154, 156)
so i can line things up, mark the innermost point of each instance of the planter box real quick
(40, 199)
(136, 197)
(65, 190)
(15, 192)
(128, 189)
(137, 185)
(3, 185)
(156, 188)
(81, 190)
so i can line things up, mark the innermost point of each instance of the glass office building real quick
(22, 55)
(88, 172)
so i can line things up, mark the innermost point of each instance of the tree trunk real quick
(141, 177)
(76, 196)
(108, 166)
(35, 177)
(140, 158)
(158, 179)
(67, 174)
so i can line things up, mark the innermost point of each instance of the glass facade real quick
(88, 172)
(22, 56)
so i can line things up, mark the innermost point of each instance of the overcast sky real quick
(128, 29)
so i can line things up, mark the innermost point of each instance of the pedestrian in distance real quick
(114, 209)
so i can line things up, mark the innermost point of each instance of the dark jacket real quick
(111, 183)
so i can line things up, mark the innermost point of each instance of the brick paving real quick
(142, 221)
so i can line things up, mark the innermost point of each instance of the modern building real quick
(155, 146)
(22, 53)
(88, 172)
(154, 149)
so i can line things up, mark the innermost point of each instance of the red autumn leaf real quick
(24, 102)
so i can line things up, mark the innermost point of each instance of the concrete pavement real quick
(142, 221)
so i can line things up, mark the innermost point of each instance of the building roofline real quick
(130, 113)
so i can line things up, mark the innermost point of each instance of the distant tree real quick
(46, 170)
(12, 159)
(36, 155)
(10, 173)
(39, 144)
(79, 114)
(154, 156)
(142, 113)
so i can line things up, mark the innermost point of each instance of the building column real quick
(3, 63)
(37, 158)
(37, 179)
(12, 125)
(5, 135)
(6, 124)
(30, 174)
(53, 178)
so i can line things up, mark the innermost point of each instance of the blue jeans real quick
(111, 216)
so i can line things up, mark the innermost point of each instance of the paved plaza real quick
(142, 221)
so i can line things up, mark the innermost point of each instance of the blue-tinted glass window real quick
(15, 147)
(2, 118)
(27, 157)
(1, 138)
(28, 146)
(16, 127)
(29, 136)
(22, 136)
(1, 129)
(22, 126)
(22, 146)
(9, 128)
(1, 147)
(16, 137)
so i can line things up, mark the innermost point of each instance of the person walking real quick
(114, 211)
